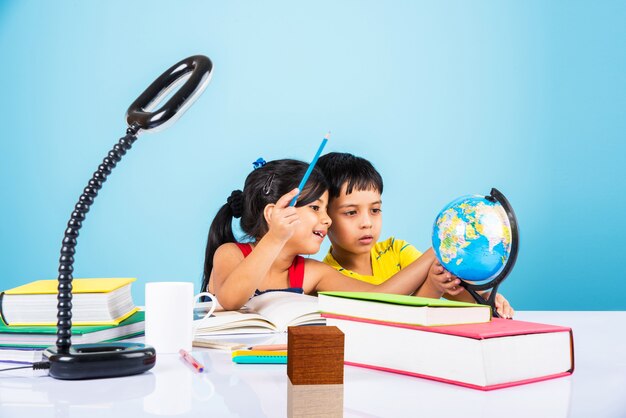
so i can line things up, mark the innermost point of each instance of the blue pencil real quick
(308, 171)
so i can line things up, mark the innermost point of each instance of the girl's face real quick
(357, 220)
(313, 226)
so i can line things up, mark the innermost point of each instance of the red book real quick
(485, 356)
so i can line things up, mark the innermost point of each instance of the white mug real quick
(169, 315)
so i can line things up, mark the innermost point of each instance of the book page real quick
(285, 309)
(233, 322)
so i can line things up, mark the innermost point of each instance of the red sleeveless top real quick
(296, 272)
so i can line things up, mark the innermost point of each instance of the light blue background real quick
(446, 98)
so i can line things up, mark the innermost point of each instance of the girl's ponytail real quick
(221, 232)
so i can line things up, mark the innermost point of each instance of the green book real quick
(42, 336)
(402, 309)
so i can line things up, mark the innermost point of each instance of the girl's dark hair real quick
(357, 172)
(263, 186)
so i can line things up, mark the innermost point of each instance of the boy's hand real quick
(444, 281)
(503, 307)
(438, 282)
(282, 219)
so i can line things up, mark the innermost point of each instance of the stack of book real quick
(450, 342)
(102, 310)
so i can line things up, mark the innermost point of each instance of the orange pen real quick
(271, 347)
(191, 360)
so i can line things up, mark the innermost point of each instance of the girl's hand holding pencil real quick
(282, 219)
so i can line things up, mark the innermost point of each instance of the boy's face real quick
(357, 220)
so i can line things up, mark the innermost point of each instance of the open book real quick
(266, 313)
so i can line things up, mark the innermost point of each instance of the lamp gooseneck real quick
(68, 248)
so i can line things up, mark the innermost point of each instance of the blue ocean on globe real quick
(472, 238)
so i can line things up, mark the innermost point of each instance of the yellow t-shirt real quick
(388, 257)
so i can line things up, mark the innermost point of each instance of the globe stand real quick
(472, 288)
(90, 361)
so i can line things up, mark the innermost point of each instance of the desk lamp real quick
(91, 361)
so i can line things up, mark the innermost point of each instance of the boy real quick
(355, 207)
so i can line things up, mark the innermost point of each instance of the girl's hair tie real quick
(260, 162)
(235, 202)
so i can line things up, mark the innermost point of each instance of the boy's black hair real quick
(340, 168)
(263, 186)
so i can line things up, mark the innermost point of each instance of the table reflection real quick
(314, 401)
(550, 398)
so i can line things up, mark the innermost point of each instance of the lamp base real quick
(94, 361)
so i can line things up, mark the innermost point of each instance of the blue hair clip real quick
(260, 162)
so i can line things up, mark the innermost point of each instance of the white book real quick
(19, 355)
(486, 356)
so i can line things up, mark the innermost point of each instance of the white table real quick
(596, 389)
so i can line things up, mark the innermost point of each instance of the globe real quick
(472, 237)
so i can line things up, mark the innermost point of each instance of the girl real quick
(234, 272)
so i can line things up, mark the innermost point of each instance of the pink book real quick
(487, 356)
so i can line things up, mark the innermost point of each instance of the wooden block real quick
(307, 401)
(315, 355)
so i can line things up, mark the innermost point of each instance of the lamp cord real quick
(64, 298)
(39, 365)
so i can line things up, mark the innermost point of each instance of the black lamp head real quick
(195, 72)
(89, 361)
